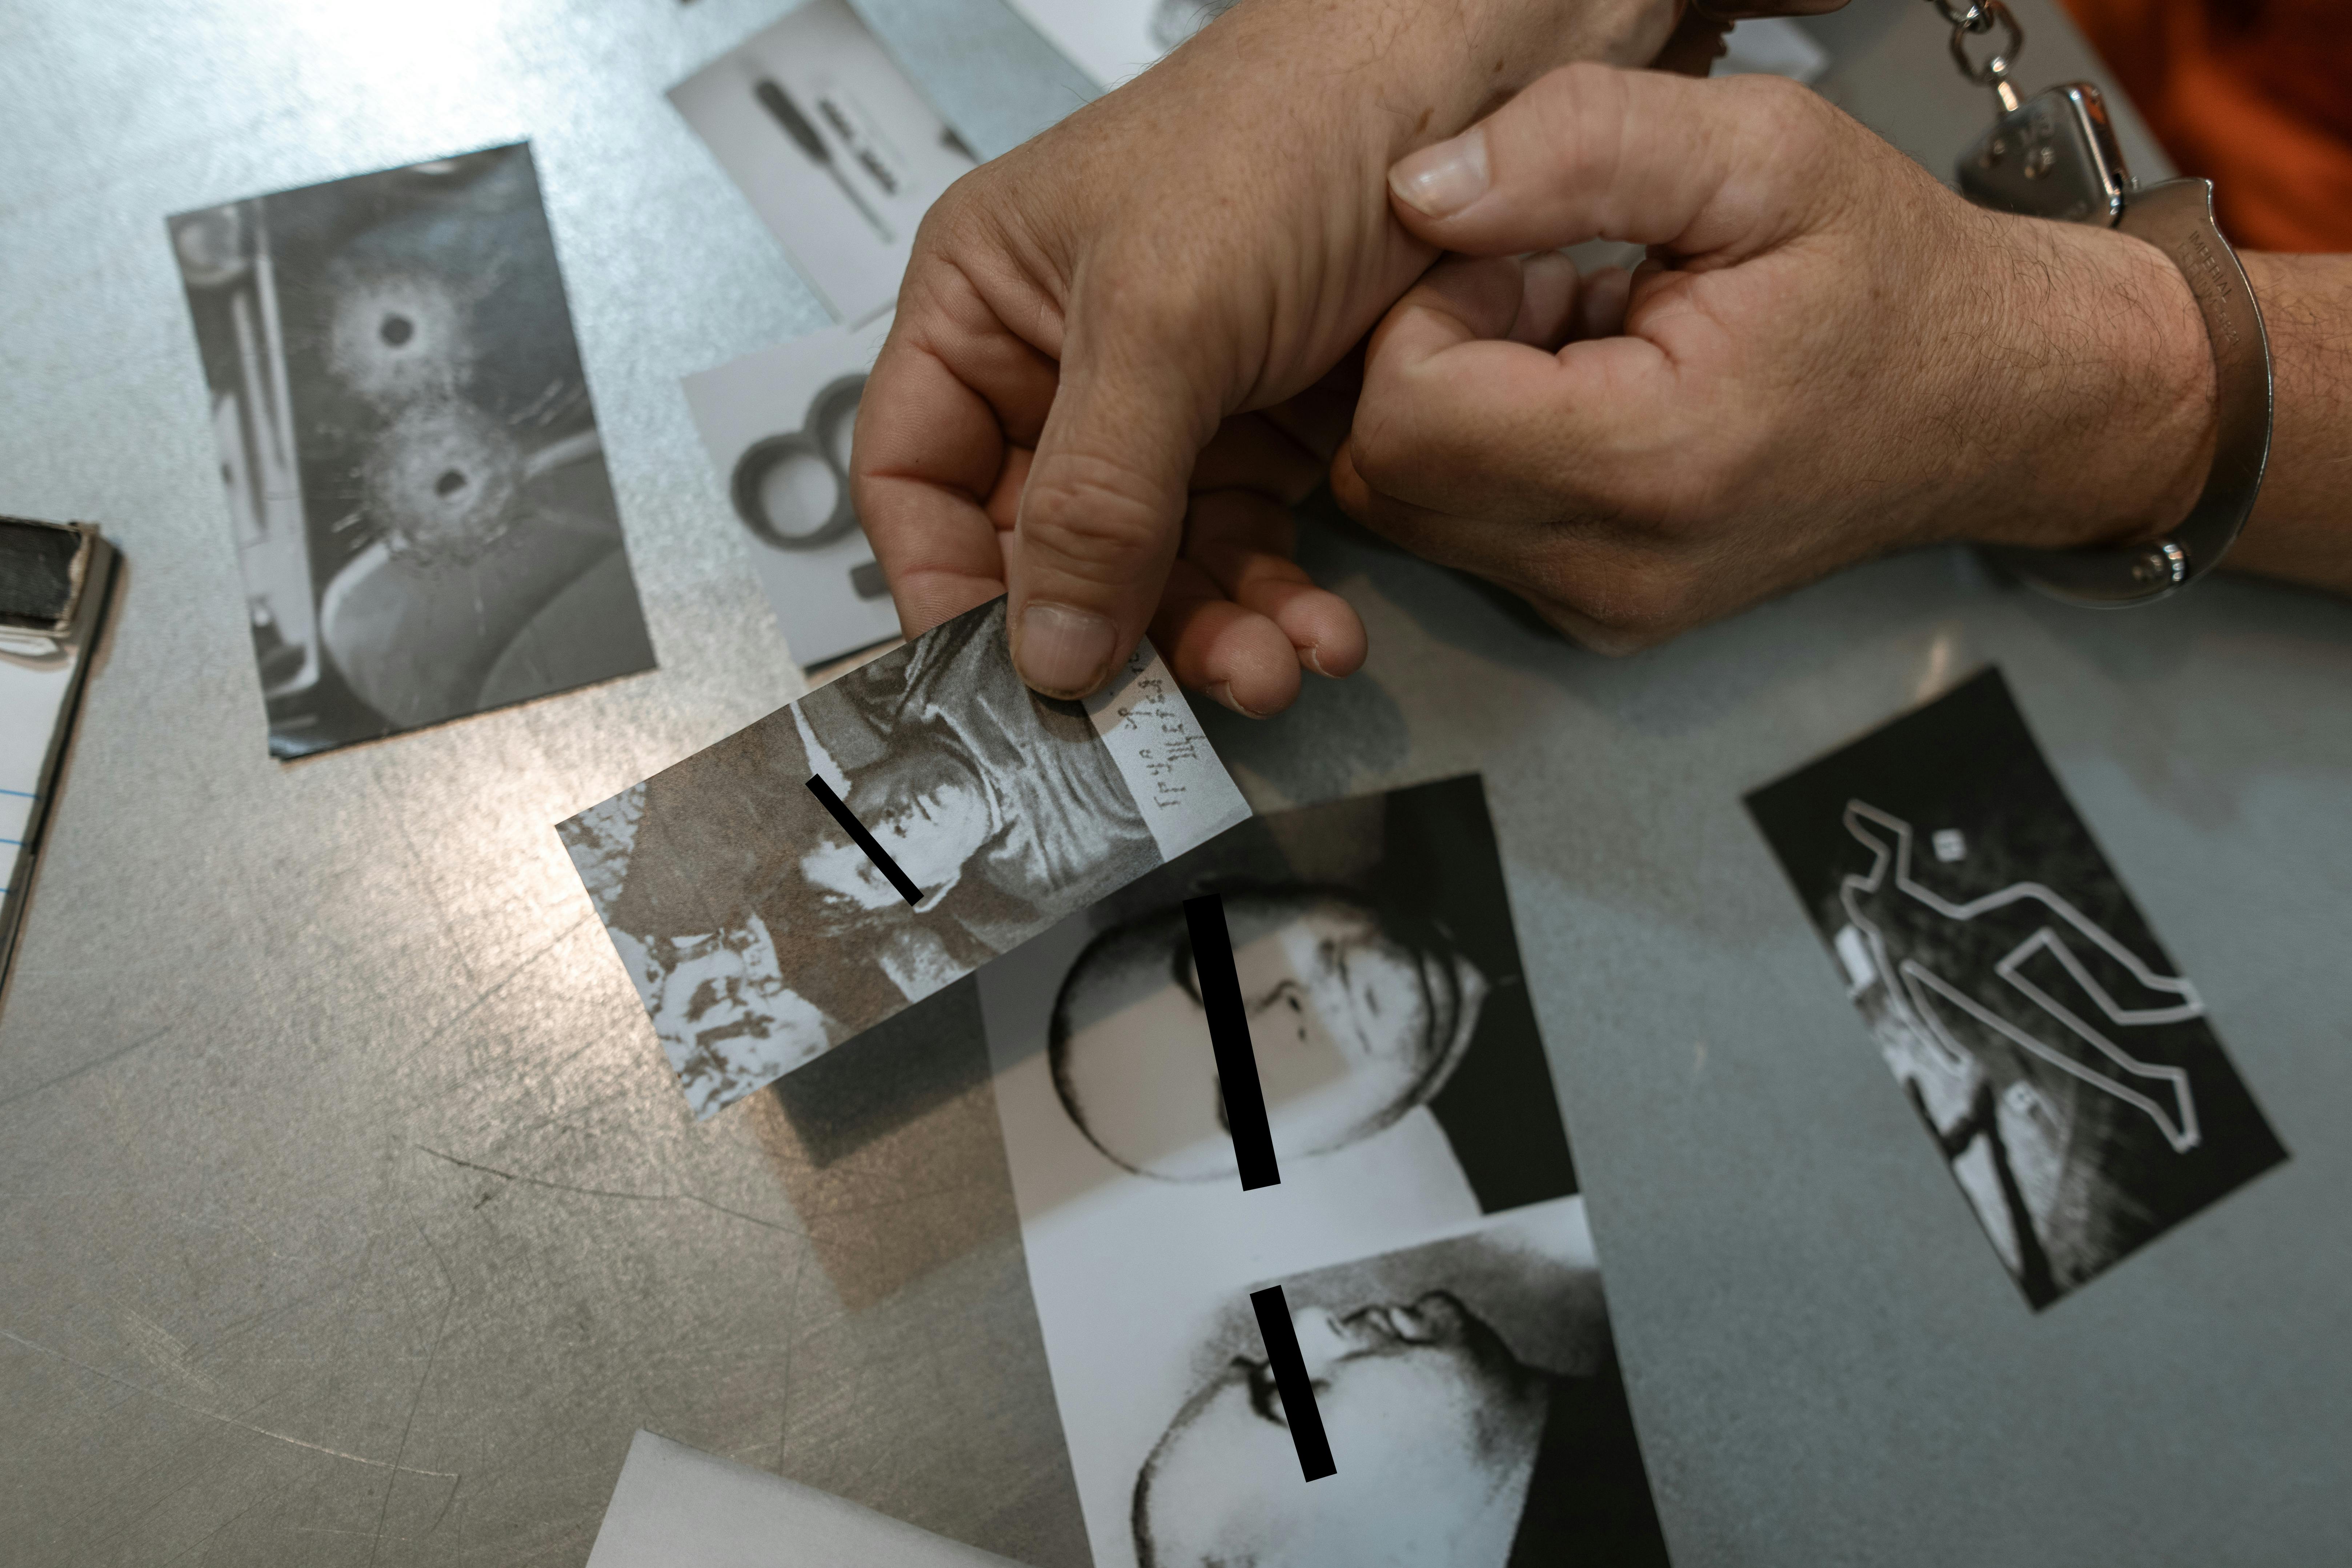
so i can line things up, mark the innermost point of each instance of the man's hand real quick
(1082, 316)
(1828, 357)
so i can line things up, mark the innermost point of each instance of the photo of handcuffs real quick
(2055, 155)
(823, 439)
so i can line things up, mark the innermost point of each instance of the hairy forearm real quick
(2302, 526)
(2116, 377)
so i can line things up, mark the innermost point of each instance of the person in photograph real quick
(1388, 1007)
(1003, 808)
(1488, 1462)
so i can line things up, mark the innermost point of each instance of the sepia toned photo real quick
(412, 464)
(759, 931)
(2061, 1063)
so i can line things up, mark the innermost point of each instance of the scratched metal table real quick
(348, 1217)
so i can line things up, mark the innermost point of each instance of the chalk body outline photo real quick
(2060, 1062)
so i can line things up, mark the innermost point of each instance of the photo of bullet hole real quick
(440, 483)
(410, 455)
(394, 336)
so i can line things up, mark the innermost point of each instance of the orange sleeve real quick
(2255, 95)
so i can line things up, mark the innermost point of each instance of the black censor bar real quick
(881, 856)
(1290, 1380)
(1229, 1036)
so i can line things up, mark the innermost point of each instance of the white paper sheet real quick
(675, 1507)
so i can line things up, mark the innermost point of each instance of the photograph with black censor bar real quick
(812, 874)
(1427, 1230)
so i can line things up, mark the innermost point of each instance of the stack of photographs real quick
(841, 155)
(1427, 1229)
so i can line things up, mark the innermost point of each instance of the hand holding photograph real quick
(2061, 1063)
(757, 930)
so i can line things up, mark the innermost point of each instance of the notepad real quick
(55, 582)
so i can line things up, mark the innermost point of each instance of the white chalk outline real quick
(2181, 1133)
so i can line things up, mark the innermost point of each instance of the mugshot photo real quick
(1472, 1400)
(1407, 1090)
(1381, 983)
(411, 460)
(757, 928)
(2059, 1060)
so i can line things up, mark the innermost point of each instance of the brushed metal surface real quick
(348, 1214)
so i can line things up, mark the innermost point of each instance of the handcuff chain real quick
(1980, 17)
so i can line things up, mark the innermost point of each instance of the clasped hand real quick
(1110, 375)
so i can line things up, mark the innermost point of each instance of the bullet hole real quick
(450, 482)
(396, 329)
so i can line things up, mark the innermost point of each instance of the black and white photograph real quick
(837, 151)
(760, 932)
(422, 516)
(1471, 1394)
(2059, 1060)
(777, 425)
(1407, 1089)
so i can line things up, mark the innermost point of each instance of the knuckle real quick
(1639, 605)
(1097, 515)
(1389, 452)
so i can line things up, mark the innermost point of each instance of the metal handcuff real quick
(2054, 157)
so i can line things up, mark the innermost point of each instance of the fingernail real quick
(1440, 180)
(1223, 693)
(1313, 658)
(1065, 652)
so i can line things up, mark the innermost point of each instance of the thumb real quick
(1714, 169)
(1102, 512)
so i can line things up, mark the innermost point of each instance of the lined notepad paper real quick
(41, 680)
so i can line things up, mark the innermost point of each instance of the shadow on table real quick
(888, 1148)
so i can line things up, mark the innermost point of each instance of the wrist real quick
(2112, 414)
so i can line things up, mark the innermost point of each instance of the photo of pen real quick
(796, 125)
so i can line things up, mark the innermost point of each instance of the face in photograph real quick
(1426, 1406)
(1357, 1013)
(929, 810)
